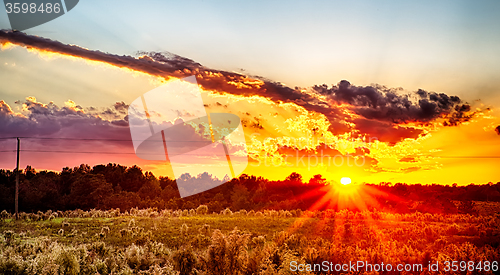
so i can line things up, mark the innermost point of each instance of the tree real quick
(151, 188)
(169, 193)
(29, 172)
(40, 192)
(166, 181)
(114, 173)
(90, 191)
(294, 178)
(317, 180)
(240, 197)
(133, 179)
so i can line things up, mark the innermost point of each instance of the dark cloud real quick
(53, 136)
(385, 104)
(375, 103)
(408, 159)
(117, 112)
(121, 107)
(45, 120)
(170, 65)
(497, 129)
(385, 131)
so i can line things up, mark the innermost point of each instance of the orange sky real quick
(283, 135)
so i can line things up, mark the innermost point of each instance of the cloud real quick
(121, 107)
(385, 131)
(70, 127)
(168, 65)
(115, 113)
(385, 104)
(497, 129)
(373, 103)
(37, 119)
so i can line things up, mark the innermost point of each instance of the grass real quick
(169, 243)
(166, 230)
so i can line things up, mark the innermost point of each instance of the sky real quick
(372, 56)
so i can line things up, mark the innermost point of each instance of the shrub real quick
(100, 249)
(258, 241)
(4, 214)
(205, 230)
(68, 263)
(13, 265)
(158, 249)
(202, 210)
(137, 258)
(184, 260)
(226, 254)
(35, 217)
(227, 212)
(9, 235)
(168, 269)
(105, 229)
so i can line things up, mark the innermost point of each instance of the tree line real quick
(116, 186)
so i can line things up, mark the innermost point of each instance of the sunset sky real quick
(378, 91)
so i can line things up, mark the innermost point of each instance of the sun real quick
(345, 181)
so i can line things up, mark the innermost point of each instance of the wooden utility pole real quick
(17, 178)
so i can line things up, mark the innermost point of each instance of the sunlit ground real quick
(346, 194)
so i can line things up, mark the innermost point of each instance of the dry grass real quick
(148, 241)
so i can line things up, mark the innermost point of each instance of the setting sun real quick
(345, 181)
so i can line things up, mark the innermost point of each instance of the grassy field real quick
(193, 242)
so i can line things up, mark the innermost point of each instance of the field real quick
(151, 241)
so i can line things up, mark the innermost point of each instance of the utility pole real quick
(17, 178)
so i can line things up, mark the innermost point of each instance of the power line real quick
(99, 139)
(59, 138)
(95, 152)
(128, 140)
(76, 152)
(476, 157)
(121, 153)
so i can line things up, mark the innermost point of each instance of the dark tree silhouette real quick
(117, 186)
